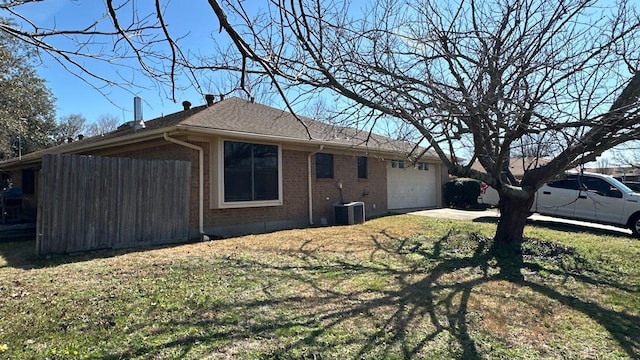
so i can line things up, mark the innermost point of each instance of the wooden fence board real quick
(88, 203)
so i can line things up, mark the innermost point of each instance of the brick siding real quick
(295, 198)
(372, 191)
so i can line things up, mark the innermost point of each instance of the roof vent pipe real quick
(138, 123)
(186, 105)
(210, 99)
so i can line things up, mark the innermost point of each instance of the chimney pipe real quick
(80, 136)
(210, 99)
(138, 123)
(186, 105)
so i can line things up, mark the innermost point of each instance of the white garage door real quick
(409, 187)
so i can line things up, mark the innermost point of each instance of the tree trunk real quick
(507, 244)
(513, 217)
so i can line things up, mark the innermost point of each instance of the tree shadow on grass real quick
(492, 263)
(418, 313)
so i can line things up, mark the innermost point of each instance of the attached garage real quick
(412, 187)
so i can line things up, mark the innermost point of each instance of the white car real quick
(488, 195)
(588, 196)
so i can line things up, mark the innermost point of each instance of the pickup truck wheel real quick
(634, 225)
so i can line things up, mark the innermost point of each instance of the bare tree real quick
(603, 165)
(104, 124)
(74, 125)
(493, 73)
(70, 126)
(492, 76)
(627, 155)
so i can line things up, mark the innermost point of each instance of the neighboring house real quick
(517, 165)
(255, 168)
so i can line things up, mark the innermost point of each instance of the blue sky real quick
(74, 95)
(193, 19)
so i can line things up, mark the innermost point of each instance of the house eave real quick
(36, 157)
(328, 145)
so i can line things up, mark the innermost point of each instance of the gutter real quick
(310, 183)
(203, 236)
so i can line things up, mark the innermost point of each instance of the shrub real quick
(462, 193)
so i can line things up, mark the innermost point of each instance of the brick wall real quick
(295, 198)
(372, 191)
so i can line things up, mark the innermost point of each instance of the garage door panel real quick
(411, 188)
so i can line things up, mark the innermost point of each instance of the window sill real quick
(249, 204)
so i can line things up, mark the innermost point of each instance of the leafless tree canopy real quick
(490, 74)
(560, 78)
(104, 124)
(494, 74)
(70, 126)
(557, 79)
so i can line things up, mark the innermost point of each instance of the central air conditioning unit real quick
(349, 213)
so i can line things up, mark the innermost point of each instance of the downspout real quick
(311, 184)
(203, 237)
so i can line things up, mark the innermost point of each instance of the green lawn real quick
(394, 288)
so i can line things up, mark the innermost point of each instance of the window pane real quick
(362, 167)
(570, 183)
(250, 172)
(598, 185)
(324, 166)
(237, 171)
(265, 163)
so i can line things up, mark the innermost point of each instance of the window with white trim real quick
(251, 172)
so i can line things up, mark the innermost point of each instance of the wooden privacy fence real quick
(87, 203)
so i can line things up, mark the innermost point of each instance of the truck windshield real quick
(620, 185)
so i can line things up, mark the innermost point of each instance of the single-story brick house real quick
(256, 168)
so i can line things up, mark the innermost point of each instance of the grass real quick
(395, 288)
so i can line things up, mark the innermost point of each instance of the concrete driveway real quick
(492, 215)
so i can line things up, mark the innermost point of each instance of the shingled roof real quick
(240, 117)
(243, 116)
